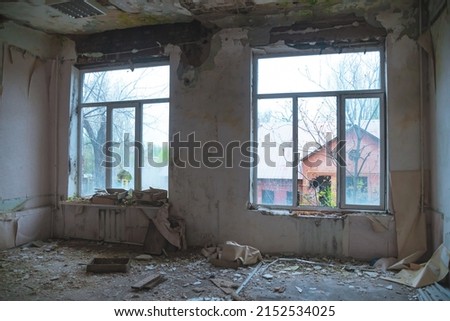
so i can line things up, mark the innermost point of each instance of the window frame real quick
(341, 96)
(137, 104)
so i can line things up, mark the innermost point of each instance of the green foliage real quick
(327, 197)
(124, 176)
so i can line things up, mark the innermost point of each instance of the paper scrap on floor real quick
(232, 252)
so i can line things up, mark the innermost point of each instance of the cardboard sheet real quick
(419, 275)
(175, 235)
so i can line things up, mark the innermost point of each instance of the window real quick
(319, 127)
(124, 129)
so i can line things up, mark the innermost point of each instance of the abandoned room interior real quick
(224, 150)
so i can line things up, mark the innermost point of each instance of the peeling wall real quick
(26, 155)
(211, 97)
(440, 126)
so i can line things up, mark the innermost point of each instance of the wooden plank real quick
(149, 282)
(225, 285)
(107, 265)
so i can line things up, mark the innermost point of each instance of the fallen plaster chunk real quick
(385, 263)
(268, 276)
(371, 274)
(143, 257)
(279, 289)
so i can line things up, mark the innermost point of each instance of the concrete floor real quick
(56, 270)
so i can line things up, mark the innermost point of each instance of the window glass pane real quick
(155, 129)
(92, 141)
(274, 170)
(317, 131)
(124, 84)
(362, 151)
(123, 136)
(316, 73)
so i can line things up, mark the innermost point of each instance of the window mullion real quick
(340, 148)
(79, 134)
(79, 150)
(108, 140)
(139, 150)
(383, 154)
(295, 151)
(254, 134)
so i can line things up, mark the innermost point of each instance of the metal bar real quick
(249, 277)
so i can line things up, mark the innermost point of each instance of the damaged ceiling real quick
(78, 17)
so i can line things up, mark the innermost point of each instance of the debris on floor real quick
(226, 286)
(384, 263)
(144, 257)
(32, 273)
(120, 196)
(434, 292)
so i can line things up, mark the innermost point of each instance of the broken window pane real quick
(317, 140)
(275, 151)
(362, 151)
(92, 157)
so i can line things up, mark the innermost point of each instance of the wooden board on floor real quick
(226, 286)
(149, 282)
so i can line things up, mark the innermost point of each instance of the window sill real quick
(335, 213)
